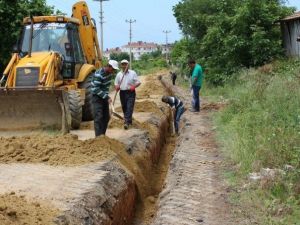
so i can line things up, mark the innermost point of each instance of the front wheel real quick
(87, 108)
(75, 107)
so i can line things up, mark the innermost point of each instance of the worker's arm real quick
(136, 82)
(195, 76)
(117, 81)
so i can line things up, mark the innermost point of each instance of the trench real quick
(146, 161)
(147, 206)
(149, 166)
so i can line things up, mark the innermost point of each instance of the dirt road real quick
(194, 191)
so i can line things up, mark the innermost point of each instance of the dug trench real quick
(78, 179)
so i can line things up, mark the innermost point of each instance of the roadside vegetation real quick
(258, 129)
(239, 45)
(228, 35)
(150, 63)
(147, 64)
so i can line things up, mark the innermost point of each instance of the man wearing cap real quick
(126, 82)
(100, 87)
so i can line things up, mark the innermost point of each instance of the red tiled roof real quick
(292, 17)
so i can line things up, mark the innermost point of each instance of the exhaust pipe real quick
(31, 37)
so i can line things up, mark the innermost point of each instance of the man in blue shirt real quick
(100, 87)
(196, 84)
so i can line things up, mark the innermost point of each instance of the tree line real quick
(227, 35)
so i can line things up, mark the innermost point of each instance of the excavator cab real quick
(62, 38)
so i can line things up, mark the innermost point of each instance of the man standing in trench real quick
(126, 82)
(177, 107)
(100, 88)
(196, 84)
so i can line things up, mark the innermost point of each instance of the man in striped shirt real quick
(177, 106)
(100, 87)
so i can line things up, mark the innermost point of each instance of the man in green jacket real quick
(196, 84)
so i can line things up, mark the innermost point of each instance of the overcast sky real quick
(152, 18)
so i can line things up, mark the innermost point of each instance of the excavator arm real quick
(88, 34)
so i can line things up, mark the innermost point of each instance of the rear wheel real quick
(87, 108)
(75, 106)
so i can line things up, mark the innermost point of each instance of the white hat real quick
(114, 64)
(124, 61)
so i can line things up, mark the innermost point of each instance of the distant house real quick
(139, 48)
(166, 49)
(107, 52)
(290, 27)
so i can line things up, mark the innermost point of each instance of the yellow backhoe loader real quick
(47, 83)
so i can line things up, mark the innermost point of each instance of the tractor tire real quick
(75, 106)
(87, 108)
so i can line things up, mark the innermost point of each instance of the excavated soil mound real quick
(153, 87)
(147, 106)
(17, 211)
(57, 150)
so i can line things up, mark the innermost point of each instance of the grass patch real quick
(260, 128)
(144, 67)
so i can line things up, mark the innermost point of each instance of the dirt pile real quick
(57, 150)
(153, 87)
(16, 210)
(148, 106)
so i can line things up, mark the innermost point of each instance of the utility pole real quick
(101, 22)
(131, 21)
(167, 32)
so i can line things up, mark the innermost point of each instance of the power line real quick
(167, 32)
(131, 21)
(101, 22)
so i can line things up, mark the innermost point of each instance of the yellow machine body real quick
(45, 83)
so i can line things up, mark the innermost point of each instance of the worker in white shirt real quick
(126, 82)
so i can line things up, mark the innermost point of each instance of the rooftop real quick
(113, 50)
(292, 17)
(141, 44)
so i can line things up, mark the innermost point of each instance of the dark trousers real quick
(173, 81)
(178, 113)
(196, 97)
(127, 101)
(101, 115)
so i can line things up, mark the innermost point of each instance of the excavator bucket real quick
(24, 109)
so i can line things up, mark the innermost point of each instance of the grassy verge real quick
(150, 66)
(260, 128)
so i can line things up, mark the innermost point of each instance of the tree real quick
(12, 13)
(119, 56)
(226, 35)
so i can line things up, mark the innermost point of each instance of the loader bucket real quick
(24, 109)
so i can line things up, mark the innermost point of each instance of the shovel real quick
(114, 113)
(113, 103)
(172, 122)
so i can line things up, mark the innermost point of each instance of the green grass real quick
(150, 66)
(260, 128)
